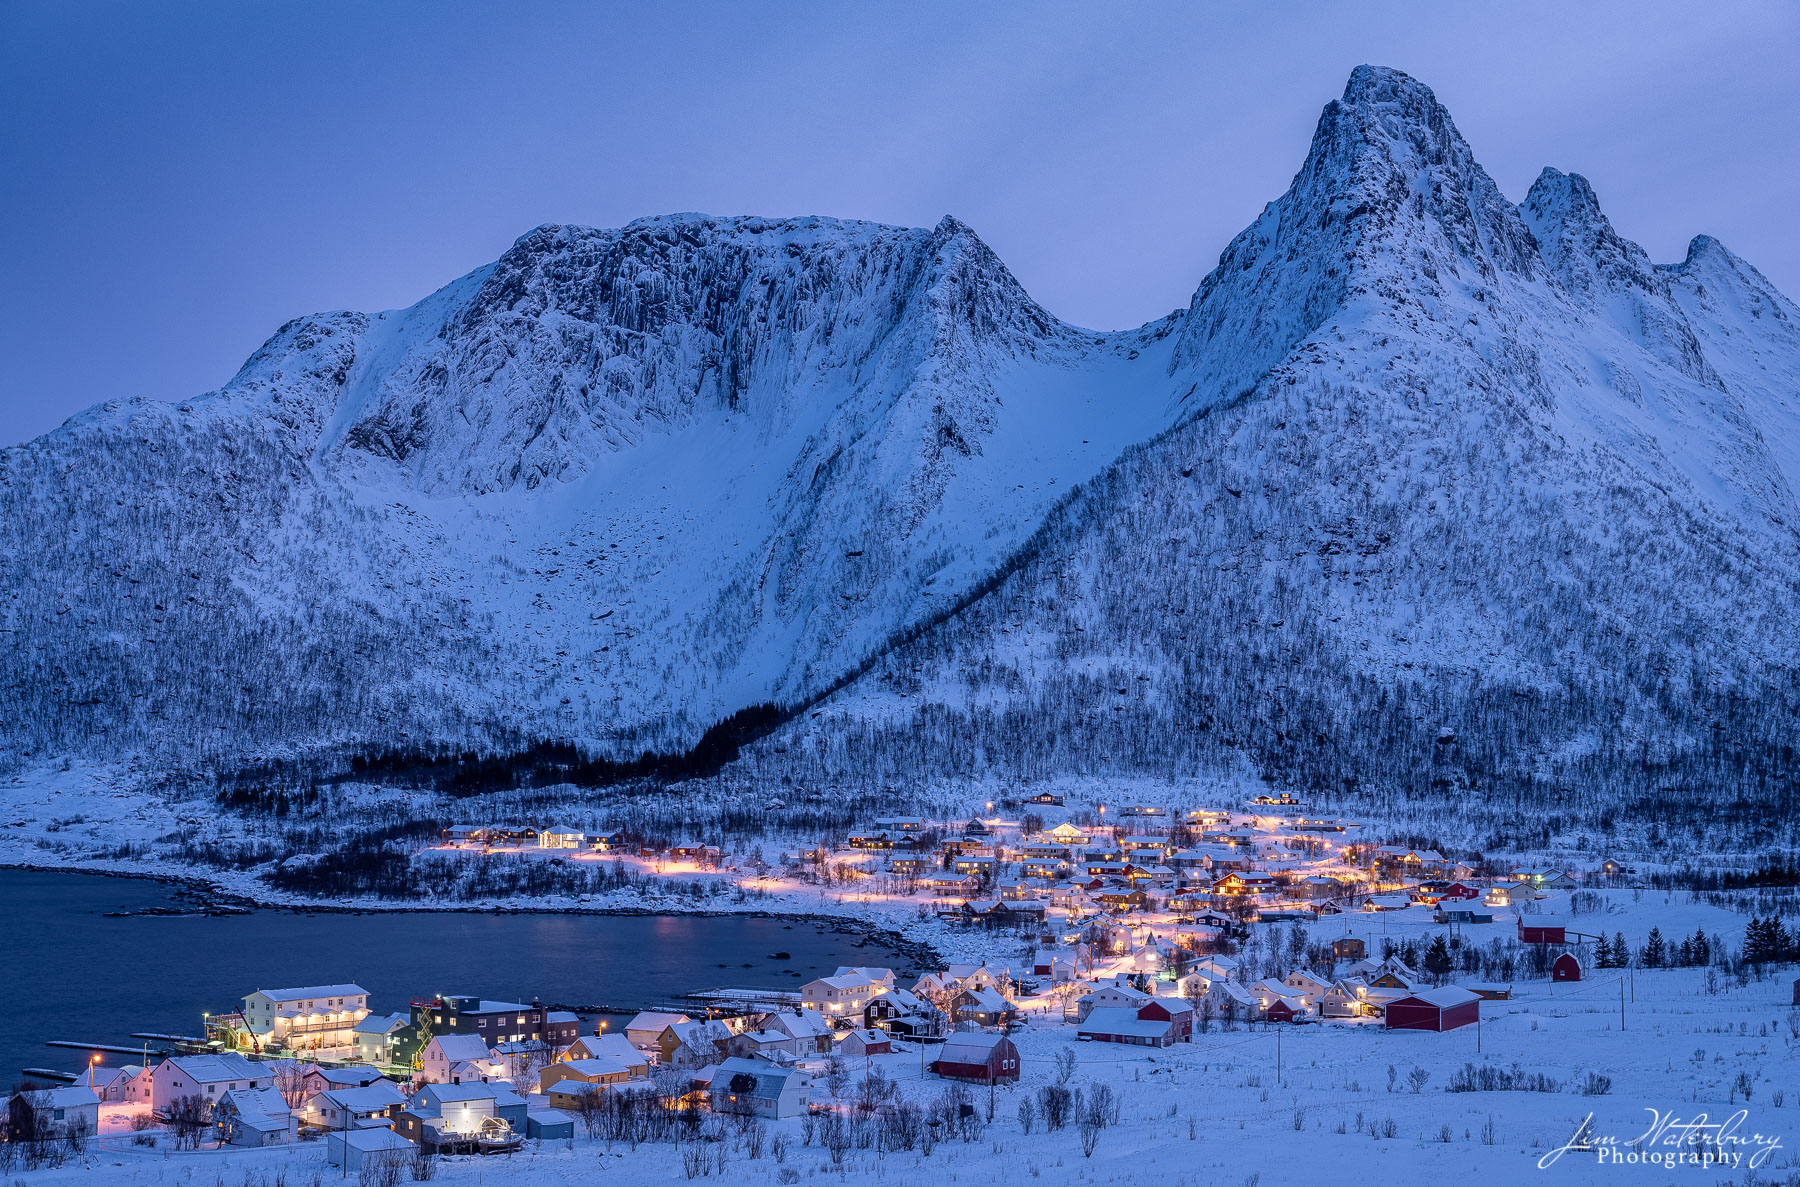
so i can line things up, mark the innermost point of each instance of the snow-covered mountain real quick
(1422, 489)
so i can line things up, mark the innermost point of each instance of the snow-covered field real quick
(1220, 1111)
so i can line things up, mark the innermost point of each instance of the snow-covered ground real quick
(1341, 1103)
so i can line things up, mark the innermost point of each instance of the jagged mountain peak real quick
(1390, 206)
(1578, 241)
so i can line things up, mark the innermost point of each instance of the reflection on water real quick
(67, 971)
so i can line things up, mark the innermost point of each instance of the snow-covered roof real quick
(381, 1024)
(213, 1069)
(461, 1048)
(365, 1099)
(309, 992)
(1121, 1020)
(969, 1046)
(655, 1020)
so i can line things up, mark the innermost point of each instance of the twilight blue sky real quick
(176, 180)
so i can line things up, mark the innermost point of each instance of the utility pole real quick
(1278, 1055)
(1621, 1003)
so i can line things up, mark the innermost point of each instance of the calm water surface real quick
(69, 972)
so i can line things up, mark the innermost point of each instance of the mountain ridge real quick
(621, 485)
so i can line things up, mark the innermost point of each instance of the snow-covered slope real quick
(614, 487)
(1423, 488)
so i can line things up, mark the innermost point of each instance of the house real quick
(208, 1077)
(612, 1046)
(318, 1019)
(606, 842)
(462, 834)
(1508, 894)
(1345, 999)
(1544, 878)
(1117, 1024)
(866, 1042)
(760, 1088)
(549, 1124)
(1121, 902)
(1000, 913)
(1067, 834)
(368, 1147)
(1238, 884)
(1440, 1009)
(1463, 911)
(844, 993)
(984, 1007)
(454, 1059)
(561, 836)
(1231, 1000)
(107, 1083)
(687, 1044)
(368, 1107)
(255, 1117)
(68, 1109)
(1566, 967)
(493, 1021)
(1219, 968)
(1489, 992)
(317, 1078)
(910, 867)
(377, 1036)
(978, 1058)
(598, 1070)
(904, 1014)
(808, 1027)
(764, 1043)
(1542, 929)
(1308, 986)
(1280, 1008)
(1348, 948)
(1045, 799)
(646, 1029)
(461, 1117)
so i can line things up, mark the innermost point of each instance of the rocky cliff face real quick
(1414, 462)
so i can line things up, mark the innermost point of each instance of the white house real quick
(561, 836)
(843, 994)
(455, 1059)
(375, 1037)
(809, 1027)
(760, 1088)
(68, 1109)
(208, 1077)
(368, 1107)
(255, 1117)
(315, 1018)
(108, 1084)
(646, 1028)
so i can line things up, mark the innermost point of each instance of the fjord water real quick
(68, 971)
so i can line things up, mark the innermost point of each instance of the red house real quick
(1541, 929)
(1434, 1009)
(978, 1058)
(1279, 1011)
(1178, 1013)
(1566, 968)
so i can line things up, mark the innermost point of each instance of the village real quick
(1161, 937)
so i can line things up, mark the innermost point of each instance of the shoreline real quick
(228, 902)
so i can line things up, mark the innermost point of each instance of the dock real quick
(109, 1048)
(50, 1073)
